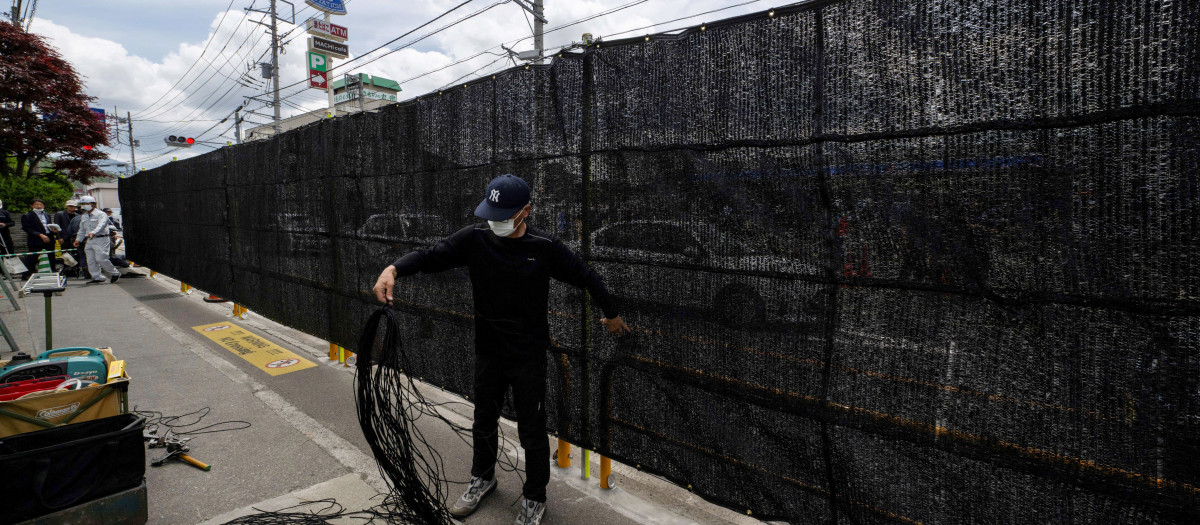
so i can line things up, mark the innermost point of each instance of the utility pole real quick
(535, 8)
(329, 81)
(274, 26)
(237, 124)
(537, 30)
(275, 63)
(132, 155)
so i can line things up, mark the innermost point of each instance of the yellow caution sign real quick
(267, 356)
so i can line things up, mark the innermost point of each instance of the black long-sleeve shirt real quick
(510, 281)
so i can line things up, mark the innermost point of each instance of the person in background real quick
(6, 222)
(93, 229)
(113, 222)
(63, 218)
(80, 254)
(35, 223)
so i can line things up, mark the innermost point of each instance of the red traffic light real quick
(179, 141)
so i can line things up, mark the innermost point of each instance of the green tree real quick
(44, 114)
(51, 187)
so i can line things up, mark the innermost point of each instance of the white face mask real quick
(504, 228)
(86, 207)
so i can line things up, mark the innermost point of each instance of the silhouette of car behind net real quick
(698, 270)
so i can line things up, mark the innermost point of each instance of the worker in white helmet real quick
(93, 234)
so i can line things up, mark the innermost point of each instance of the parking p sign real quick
(317, 64)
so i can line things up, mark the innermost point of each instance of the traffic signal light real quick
(179, 142)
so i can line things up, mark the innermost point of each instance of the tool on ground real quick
(157, 437)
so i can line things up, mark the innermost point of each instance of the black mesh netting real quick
(928, 261)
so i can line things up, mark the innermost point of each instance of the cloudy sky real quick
(181, 67)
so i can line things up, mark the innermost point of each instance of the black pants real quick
(31, 261)
(527, 378)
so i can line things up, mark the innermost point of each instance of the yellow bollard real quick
(564, 454)
(239, 311)
(153, 274)
(185, 289)
(587, 463)
(605, 472)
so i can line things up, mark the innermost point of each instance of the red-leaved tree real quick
(43, 111)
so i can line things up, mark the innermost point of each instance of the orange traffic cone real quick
(212, 298)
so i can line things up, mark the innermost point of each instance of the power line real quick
(481, 53)
(685, 17)
(221, 53)
(519, 40)
(206, 44)
(411, 31)
(218, 69)
(163, 110)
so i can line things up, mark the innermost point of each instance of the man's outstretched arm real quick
(448, 253)
(569, 268)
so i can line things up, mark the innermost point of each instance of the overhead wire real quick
(485, 51)
(220, 68)
(197, 61)
(407, 33)
(684, 18)
(225, 95)
(304, 93)
(164, 109)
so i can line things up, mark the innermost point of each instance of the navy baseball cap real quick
(505, 196)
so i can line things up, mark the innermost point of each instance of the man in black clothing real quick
(62, 218)
(36, 225)
(510, 264)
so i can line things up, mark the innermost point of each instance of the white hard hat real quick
(72, 203)
(87, 198)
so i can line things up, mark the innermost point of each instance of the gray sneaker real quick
(531, 513)
(471, 498)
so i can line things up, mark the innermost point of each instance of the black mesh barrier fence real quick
(929, 261)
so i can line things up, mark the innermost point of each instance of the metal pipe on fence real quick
(605, 472)
(564, 453)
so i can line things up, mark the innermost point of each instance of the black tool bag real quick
(49, 470)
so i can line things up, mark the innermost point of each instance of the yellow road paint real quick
(255, 349)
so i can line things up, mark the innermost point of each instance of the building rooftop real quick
(377, 81)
